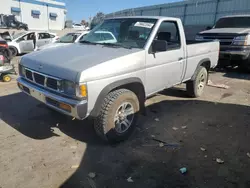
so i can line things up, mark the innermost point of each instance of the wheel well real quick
(137, 88)
(206, 64)
(14, 48)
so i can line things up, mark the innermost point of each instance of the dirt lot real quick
(40, 148)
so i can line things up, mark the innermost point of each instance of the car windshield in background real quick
(18, 35)
(69, 38)
(234, 22)
(123, 32)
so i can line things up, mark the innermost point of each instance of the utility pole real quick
(20, 11)
(48, 15)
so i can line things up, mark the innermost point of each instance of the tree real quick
(85, 23)
(98, 18)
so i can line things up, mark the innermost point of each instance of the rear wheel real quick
(13, 51)
(118, 116)
(196, 87)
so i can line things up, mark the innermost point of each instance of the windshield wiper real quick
(115, 45)
(87, 42)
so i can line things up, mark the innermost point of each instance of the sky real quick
(83, 9)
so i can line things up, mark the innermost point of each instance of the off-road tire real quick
(13, 50)
(104, 123)
(192, 85)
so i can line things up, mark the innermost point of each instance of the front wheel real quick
(196, 86)
(118, 115)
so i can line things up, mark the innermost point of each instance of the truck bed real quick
(197, 51)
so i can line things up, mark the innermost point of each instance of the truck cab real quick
(233, 33)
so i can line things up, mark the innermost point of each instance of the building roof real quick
(146, 17)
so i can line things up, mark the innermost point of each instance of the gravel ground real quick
(40, 148)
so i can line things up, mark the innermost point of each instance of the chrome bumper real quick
(78, 108)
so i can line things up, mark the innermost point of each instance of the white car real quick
(23, 42)
(67, 39)
(102, 37)
(78, 27)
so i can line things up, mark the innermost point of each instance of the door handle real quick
(180, 58)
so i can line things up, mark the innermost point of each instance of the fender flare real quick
(106, 90)
(199, 64)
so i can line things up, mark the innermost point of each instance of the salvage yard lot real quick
(41, 148)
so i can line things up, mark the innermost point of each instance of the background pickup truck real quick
(110, 81)
(233, 33)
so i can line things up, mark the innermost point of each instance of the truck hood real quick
(53, 45)
(67, 62)
(227, 30)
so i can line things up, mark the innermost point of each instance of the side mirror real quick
(159, 46)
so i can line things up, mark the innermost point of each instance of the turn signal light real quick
(83, 90)
(65, 107)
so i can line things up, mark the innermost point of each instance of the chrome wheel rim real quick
(202, 82)
(124, 117)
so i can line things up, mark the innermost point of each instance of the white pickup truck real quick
(110, 81)
(233, 32)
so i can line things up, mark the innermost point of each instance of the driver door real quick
(26, 43)
(164, 69)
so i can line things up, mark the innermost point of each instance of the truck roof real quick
(232, 16)
(148, 17)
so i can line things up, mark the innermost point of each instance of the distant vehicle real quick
(103, 36)
(233, 32)
(69, 38)
(78, 27)
(109, 81)
(10, 21)
(22, 42)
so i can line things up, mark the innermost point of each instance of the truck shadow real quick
(223, 129)
(235, 73)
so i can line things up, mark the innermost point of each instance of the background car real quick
(78, 27)
(23, 42)
(102, 37)
(69, 38)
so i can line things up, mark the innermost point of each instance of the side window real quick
(40, 36)
(29, 36)
(52, 36)
(168, 31)
(44, 35)
(25, 37)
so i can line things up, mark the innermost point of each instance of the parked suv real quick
(110, 80)
(233, 32)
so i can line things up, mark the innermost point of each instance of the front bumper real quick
(78, 109)
(235, 52)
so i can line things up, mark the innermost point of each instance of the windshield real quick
(69, 38)
(18, 35)
(124, 32)
(234, 22)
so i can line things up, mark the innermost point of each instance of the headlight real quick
(199, 37)
(69, 87)
(241, 40)
(72, 89)
(21, 70)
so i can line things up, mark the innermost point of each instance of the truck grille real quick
(43, 80)
(225, 39)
